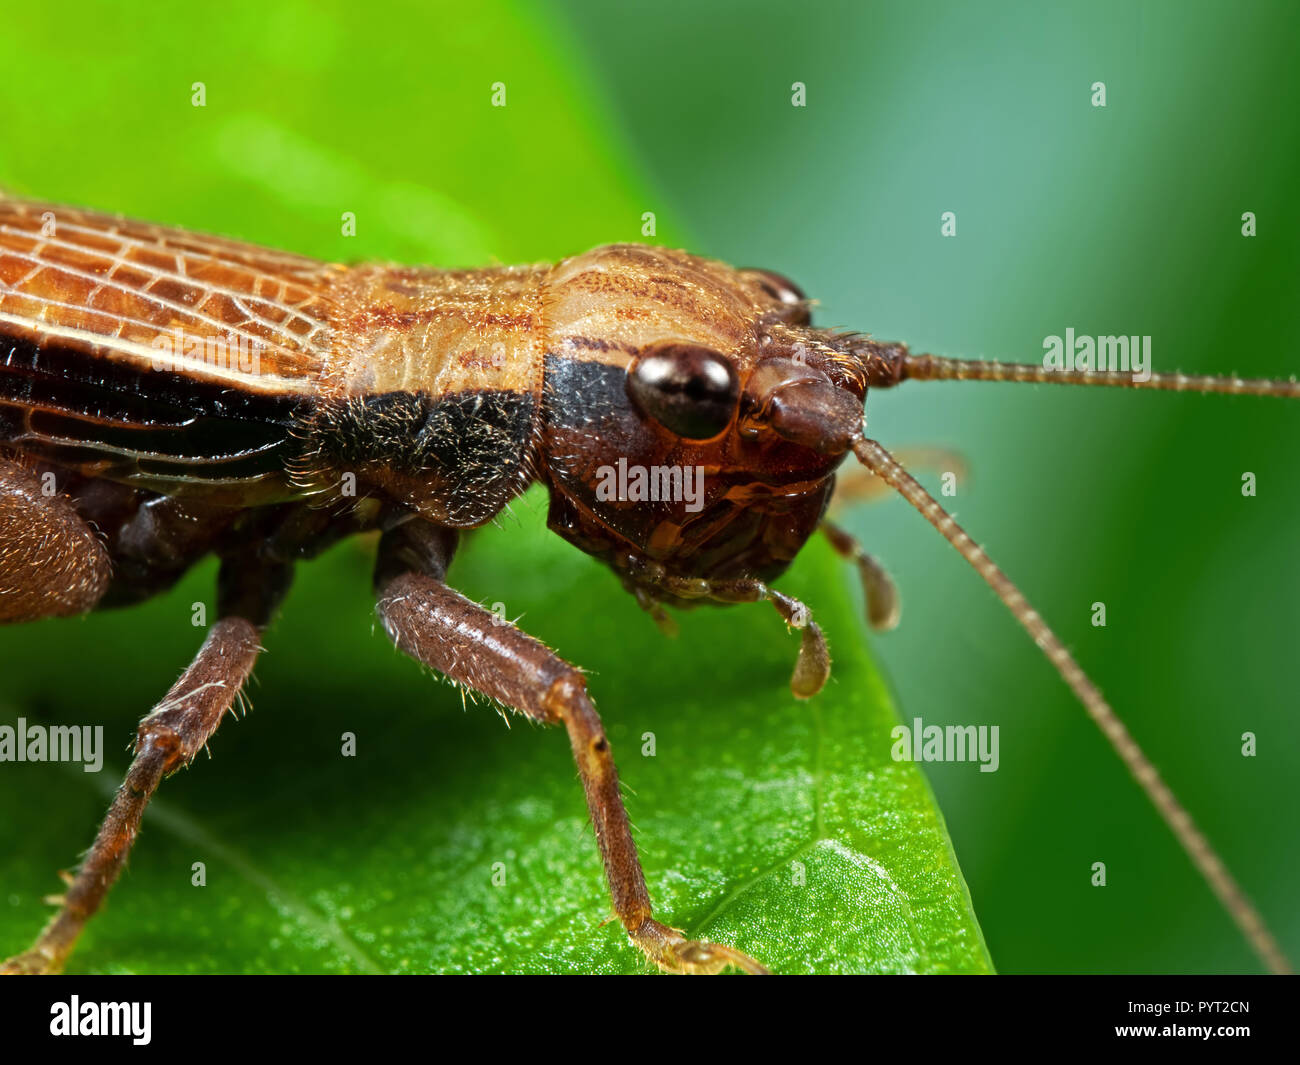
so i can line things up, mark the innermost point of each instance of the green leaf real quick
(783, 828)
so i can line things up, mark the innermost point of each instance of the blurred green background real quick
(1123, 219)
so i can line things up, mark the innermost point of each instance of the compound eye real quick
(786, 292)
(688, 389)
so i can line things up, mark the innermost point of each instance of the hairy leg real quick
(438, 626)
(169, 738)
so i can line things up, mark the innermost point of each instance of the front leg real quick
(438, 626)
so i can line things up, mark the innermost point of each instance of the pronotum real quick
(165, 396)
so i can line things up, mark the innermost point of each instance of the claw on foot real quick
(669, 949)
(30, 963)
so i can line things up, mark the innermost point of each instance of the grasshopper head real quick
(693, 417)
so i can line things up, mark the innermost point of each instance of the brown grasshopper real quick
(165, 396)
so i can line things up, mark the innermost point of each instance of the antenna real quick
(1193, 841)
